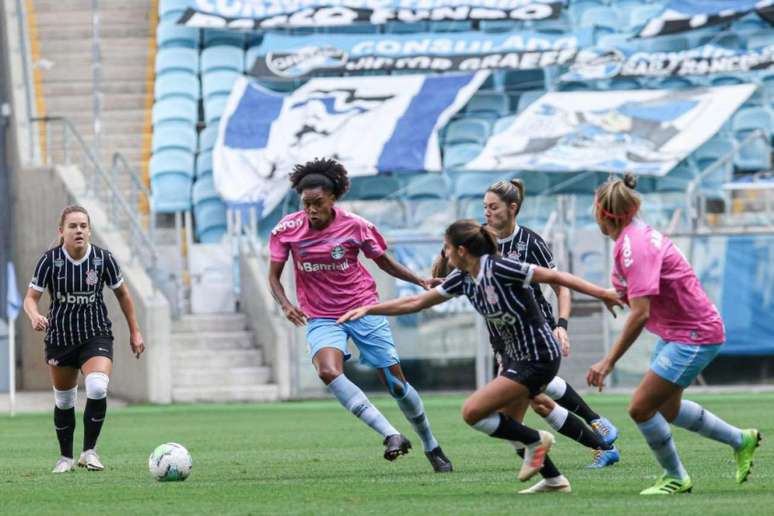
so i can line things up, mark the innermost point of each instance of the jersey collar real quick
(77, 262)
(516, 229)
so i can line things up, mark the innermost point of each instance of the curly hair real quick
(325, 173)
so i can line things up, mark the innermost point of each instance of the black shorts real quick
(76, 356)
(535, 376)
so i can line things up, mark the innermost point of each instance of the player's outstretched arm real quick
(397, 270)
(127, 307)
(607, 296)
(398, 306)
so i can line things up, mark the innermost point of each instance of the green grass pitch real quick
(314, 458)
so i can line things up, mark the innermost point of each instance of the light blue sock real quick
(412, 407)
(696, 418)
(355, 400)
(659, 437)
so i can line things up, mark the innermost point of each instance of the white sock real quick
(659, 437)
(557, 417)
(355, 400)
(696, 418)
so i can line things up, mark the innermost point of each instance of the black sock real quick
(512, 430)
(549, 469)
(574, 428)
(572, 401)
(64, 424)
(93, 417)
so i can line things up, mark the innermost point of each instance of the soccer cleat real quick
(63, 465)
(751, 439)
(669, 485)
(603, 458)
(90, 460)
(396, 445)
(555, 485)
(439, 461)
(535, 455)
(605, 430)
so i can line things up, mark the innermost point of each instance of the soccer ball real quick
(170, 461)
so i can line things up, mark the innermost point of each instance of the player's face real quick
(318, 206)
(497, 213)
(455, 254)
(75, 231)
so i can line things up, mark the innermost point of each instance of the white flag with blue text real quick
(370, 124)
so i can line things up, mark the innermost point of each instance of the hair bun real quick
(630, 180)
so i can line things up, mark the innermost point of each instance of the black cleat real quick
(439, 461)
(395, 445)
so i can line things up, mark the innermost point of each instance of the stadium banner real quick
(685, 15)
(370, 124)
(292, 57)
(596, 63)
(272, 14)
(640, 131)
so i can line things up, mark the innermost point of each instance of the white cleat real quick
(551, 485)
(90, 460)
(63, 465)
(535, 456)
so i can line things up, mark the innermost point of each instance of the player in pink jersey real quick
(665, 296)
(330, 280)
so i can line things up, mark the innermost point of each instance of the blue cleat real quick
(605, 429)
(604, 458)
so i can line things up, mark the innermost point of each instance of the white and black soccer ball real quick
(170, 462)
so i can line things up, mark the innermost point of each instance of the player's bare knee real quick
(640, 413)
(541, 407)
(471, 414)
(327, 373)
(395, 385)
(97, 385)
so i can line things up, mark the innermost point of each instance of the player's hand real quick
(427, 284)
(597, 373)
(294, 315)
(564, 340)
(39, 323)
(353, 315)
(612, 300)
(137, 343)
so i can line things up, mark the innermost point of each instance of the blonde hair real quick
(74, 208)
(617, 202)
(509, 192)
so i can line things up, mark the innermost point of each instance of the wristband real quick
(562, 323)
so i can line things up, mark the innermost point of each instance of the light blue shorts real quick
(371, 335)
(681, 363)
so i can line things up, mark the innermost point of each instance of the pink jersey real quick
(330, 280)
(648, 264)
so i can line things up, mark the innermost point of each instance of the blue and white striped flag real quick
(13, 301)
(370, 124)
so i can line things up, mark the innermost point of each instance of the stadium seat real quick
(665, 44)
(534, 182)
(467, 130)
(405, 28)
(213, 109)
(170, 10)
(456, 156)
(575, 183)
(175, 109)
(677, 179)
(251, 55)
(750, 23)
(209, 211)
(170, 35)
(756, 154)
(222, 57)
(171, 179)
(373, 187)
(204, 164)
(427, 186)
(430, 215)
(708, 156)
(624, 84)
(760, 39)
(575, 86)
(527, 98)
(207, 137)
(675, 83)
(498, 25)
(472, 208)
(217, 37)
(524, 80)
(177, 60)
(218, 83)
(174, 135)
(450, 26)
(176, 84)
(472, 184)
(490, 105)
(503, 123)
(726, 80)
(355, 28)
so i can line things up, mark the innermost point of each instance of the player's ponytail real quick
(478, 239)
(441, 266)
(510, 192)
(73, 208)
(617, 202)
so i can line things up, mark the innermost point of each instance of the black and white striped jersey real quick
(502, 294)
(77, 311)
(527, 246)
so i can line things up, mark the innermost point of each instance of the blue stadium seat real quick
(626, 83)
(405, 28)
(216, 37)
(213, 109)
(204, 164)
(355, 28)
(174, 135)
(756, 155)
(173, 35)
(251, 55)
(450, 26)
(171, 179)
(176, 84)
(471, 208)
(760, 39)
(675, 83)
(498, 25)
(665, 44)
(209, 211)
(707, 156)
(534, 182)
(427, 186)
(170, 10)
(373, 187)
(527, 98)
(575, 86)
(524, 80)
(472, 184)
(491, 105)
(467, 130)
(582, 184)
(218, 83)
(676, 179)
(175, 109)
(503, 123)
(177, 60)
(222, 57)
(430, 215)
(456, 156)
(207, 137)
(726, 80)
